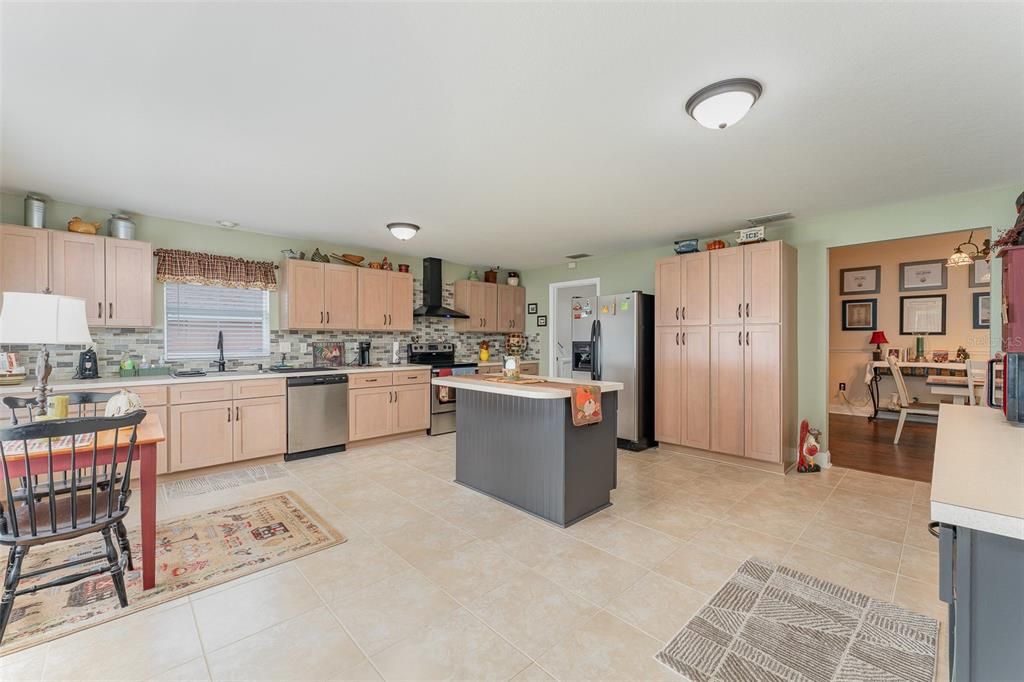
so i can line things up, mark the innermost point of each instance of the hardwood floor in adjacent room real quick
(856, 443)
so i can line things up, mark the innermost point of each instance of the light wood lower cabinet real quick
(727, 399)
(201, 435)
(390, 409)
(696, 384)
(369, 412)
(763, 394)
(259, 429)
(412, 408)
(668, 385)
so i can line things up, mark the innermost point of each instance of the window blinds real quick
(193, 314)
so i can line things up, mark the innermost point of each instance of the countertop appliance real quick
(317, 415)
(618, 331)
(88, 365)
(443, 400)
(433, 299)
(363, 359)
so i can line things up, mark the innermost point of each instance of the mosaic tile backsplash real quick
(111, 344)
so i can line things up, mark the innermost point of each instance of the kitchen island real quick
(517, 443)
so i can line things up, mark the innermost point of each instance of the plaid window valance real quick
(191, 267)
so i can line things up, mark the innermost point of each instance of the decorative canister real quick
(120, 226)
(473, 276)
(35, 210)
(513, 278)
(515, 343)
(491, 275)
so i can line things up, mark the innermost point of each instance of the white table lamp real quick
(44, 319)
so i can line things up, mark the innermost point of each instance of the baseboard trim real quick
(722, 458)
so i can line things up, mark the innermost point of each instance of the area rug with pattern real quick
(769, 622)
(192, 553)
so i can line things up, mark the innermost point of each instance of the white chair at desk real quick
(963, 389)
(904, 397)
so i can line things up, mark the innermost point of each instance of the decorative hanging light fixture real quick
(967, 252)
(403, 231)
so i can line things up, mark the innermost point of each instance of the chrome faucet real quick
(221, 365)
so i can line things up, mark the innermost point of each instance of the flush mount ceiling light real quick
(720, 105)
(227, 224)
(967, 252)
(403, 231)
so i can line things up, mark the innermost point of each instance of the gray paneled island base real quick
(517, 443)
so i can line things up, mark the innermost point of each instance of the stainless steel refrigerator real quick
(613, 340)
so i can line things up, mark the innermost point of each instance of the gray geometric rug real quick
(770, 622)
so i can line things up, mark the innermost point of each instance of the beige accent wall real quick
(850, 351)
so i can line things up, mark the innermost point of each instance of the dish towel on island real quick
(586, 404)
(442, 391)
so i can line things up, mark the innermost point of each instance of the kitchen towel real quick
(586, 403)
(442, 391)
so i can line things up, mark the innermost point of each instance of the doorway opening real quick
(899, 298)
(560, 295)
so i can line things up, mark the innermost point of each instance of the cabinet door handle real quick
(684, 312)
(238, 414)
(748, 338)
(684, 338)
(370, 381)
(385, 319)
(328, 317)
(739, 310)
(321, 317)
(229, 415)
(677, 338)
(100, 313)
(389, 319)
(111, 315)
(677, 312)
(748, 310)
(739, 338)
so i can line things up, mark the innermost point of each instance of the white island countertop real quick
(543, 391)
(212, 375)
(978, 475)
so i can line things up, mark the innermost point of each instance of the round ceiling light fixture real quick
(403, 231)
(722, 104)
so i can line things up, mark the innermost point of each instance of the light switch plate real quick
(284, 347)
(303, 347)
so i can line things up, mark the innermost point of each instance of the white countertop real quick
(542, 391)
(213, 375)
(978, 475)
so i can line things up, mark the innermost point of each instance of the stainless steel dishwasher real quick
(317, 415)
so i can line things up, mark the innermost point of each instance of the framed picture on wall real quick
(923, 275)
(979, 274)
(531, 308)
(542, 320)
(982, 310)
(866, 280)
(860, 315)
(923, 314)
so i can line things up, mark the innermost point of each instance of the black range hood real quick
(432, 287)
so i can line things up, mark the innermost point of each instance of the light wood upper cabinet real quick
(78, 268)
(385, 300)
(668, 291)
(301, 297)
(412, 408)
(400, 301)
(696, 289)
(696, 387)
(24, 259)
(369, 413)
(762, 264)
(479, 300)
(259, 427)
(341, 286)
(727, 286)
(201, 435)
(727, 399)
(511, 308)
(763, 396)
(129, 283)
(668, 405)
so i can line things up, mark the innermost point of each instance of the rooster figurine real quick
(808, 448)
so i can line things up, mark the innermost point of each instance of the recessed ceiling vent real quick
(577, 256)
(770, 218)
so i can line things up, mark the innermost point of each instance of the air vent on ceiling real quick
(770, 218)
(577, 256)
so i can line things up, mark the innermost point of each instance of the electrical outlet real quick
(842, 385)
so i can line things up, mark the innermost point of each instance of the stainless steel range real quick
(443, 403)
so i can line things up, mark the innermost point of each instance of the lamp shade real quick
(43, 318)
(878, 337)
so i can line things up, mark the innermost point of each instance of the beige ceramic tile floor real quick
(439, 582)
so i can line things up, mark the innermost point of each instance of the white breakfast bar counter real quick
(977, 499)
(517, 443)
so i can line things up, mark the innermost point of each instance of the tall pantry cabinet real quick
(725, 376)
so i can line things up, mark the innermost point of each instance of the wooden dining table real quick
(150, 434)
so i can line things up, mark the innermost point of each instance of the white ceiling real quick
(513, 133)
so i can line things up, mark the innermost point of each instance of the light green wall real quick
(175, 234)
(812, 238)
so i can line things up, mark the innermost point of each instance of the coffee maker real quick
(364, 353)
(88, 365)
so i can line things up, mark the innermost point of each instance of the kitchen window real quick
(194, 313)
